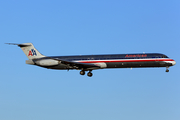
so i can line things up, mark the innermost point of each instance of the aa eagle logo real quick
(32, 52)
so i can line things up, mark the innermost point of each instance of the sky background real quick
(80, 27)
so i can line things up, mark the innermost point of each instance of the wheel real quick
(82, 72)
(89, 74)
(167, 70)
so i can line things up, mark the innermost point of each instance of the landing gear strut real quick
(167, 69)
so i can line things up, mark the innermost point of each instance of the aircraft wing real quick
(77, 65)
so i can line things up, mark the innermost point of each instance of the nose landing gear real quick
(167, 70)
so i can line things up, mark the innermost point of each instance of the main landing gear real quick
(167, 70)
(82, 72)
(89, 74)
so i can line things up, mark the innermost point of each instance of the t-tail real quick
(30, 51)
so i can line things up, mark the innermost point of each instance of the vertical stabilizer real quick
(30, 51)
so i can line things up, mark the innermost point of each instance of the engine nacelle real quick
(101, 65)
(47, 62)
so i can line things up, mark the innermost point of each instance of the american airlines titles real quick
(139, 55)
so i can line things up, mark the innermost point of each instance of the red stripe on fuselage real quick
(131, 60)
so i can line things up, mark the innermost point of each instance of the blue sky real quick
(89, 27)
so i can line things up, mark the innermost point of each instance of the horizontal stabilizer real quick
(20, 45)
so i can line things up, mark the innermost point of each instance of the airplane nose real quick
(173, 62)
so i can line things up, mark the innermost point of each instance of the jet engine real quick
(47, 62)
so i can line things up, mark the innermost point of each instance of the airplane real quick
(93, 62)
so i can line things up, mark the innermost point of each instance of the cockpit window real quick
(164, 56)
